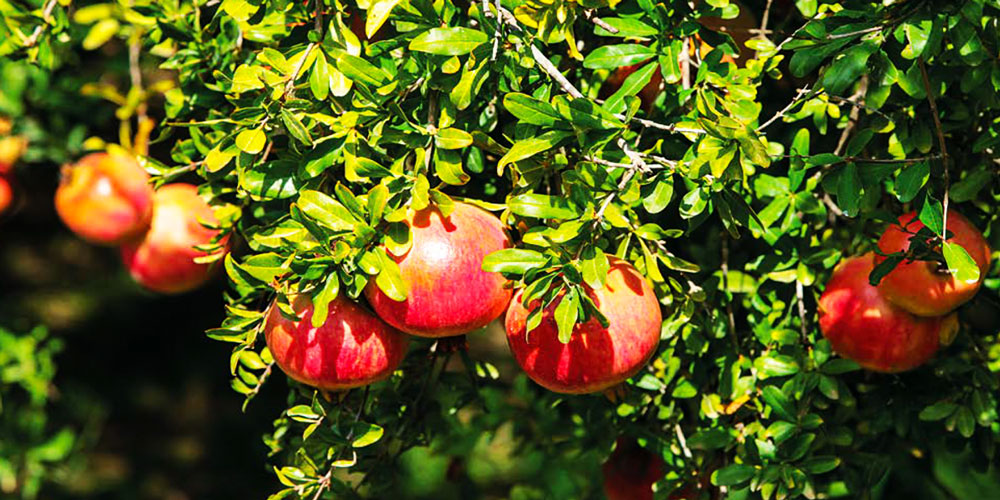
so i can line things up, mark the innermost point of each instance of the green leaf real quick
(632, 85)
(531, 110)
(542, 206)
(663, 191)
(295, 127)
(448, 167)
(614, 56)
(733, 475)
(938, 411)
(627, 28)
(776, 365)
(513, 260)
(884, 268)
(322, 297)
(100, 33)
(452, 138)
(319, 78)
(910, 180)
(595, 267)
(360, 70)
(846, 70)
(529, 147)
(326, 211)
(780, 404)
(389, 279)
(849, 190)
(932, 215)
(566, 314)
(454, 41)
(378, 14)
(251, 141)
(960, 263)
(369, 436)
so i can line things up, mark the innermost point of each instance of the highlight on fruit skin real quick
(351, 348)
(447, 292)
(6, 194)
(105, 198)
(863, 326)
(163, 260)
(923, 287)
(595, 358)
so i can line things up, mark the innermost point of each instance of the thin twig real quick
(729, 297)
(298, 68)
(568, 87)
(682, 441)
(855, 33)
(763, 21)
(800, 299)
(35, 35)
(634, 157)
(779, 114)
(852, 117)
(941, 144)
(591, 16)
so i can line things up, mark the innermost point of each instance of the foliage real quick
(735, 193)
(30, 448)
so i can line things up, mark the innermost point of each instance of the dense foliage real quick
(315, 125)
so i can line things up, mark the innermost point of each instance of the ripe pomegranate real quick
(922, 287)
(631, 471)
(163, 260)
(863, 326)
(448, 293)
(105, 198)
(595, 358)
(351, 349)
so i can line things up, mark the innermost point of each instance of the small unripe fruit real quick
(352, 348)
(595, 358)
(448, 293)
(863, 326)
(11, 149)
(105, 198)
(922, 287)
(164, 259)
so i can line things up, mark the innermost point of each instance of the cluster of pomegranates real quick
(107, 199)
(449, 294)
(899, 324)
(11, 149)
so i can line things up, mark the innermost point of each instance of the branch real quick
(591, 16)
(941, 144)
(779, 114)
(35, 35)
(764, 19)
(298, 68)
(568, 87)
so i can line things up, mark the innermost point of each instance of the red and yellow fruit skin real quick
(351, 349)
(163, 260)
(448, 293)
(595, 358)
(11, 149)
(105, 198)
(631, 471)
(863, 326)
(918, 286)
(6, 194)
